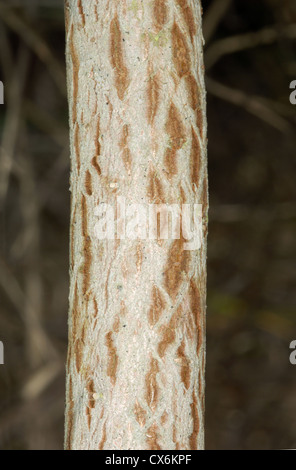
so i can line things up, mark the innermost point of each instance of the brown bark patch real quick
(181, 55)
(91, 390)
(155, 189)
(157, 307)
(160, 11)
(88, 183)
(96, 12)
(97, 140)
(96, 166)
(195, 417)
(96, 308)
(126, 154)
(78, 350)
(185, 365)
(70, 417)
(152, 438)
(117, 59)
(81, 12)
(104, 438)
(205, 196)
(112, 358)
(139, 256)
(176, 268)
(86, 247)
(168, 337)
(188, 17)
(195, 158)
(77, 145)
(83, 333)
(164, 418)
(184, 319)
(88, 414)
(69, 356)
(116, 324)
(199, 120)
(195, 303)
(193, 92)
(177, 134)
(151, 385)
(183, 197)
(153, 97)
(140, 414)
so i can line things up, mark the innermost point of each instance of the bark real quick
(136, 360)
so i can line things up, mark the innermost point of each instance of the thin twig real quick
(213, 17)
(12, 120)
(246, 41)
(252, 104)
(35, 42)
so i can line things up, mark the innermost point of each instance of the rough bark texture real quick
(135, 372)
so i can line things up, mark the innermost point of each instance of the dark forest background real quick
(250, 56)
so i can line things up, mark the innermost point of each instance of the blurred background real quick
(250, 56)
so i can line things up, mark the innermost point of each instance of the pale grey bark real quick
(135, 373)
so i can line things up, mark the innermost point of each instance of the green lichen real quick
(160, 39)
(134, 7)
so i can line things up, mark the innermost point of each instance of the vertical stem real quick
(135, 372)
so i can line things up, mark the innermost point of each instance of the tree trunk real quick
(136, 360)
